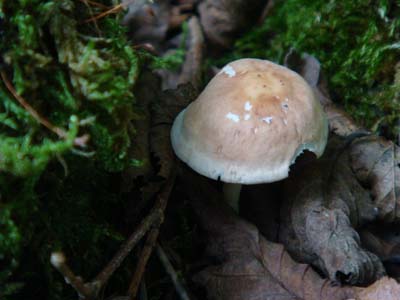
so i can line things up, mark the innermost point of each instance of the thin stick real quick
(155, 216)
(57, 130)
(59, 262)
(86, 2)
(191, 70)
(171, 272)
(143, 290)
(91, 289)
(113, 10)
(94, 3)
(144, 257)
(79, 141)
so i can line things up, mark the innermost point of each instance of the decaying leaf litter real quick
(318, 215)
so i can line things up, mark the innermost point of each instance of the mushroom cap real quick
(250, 123)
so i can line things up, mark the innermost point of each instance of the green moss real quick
(54, 194)
(93, 70)
(174, 60)
(357, 43)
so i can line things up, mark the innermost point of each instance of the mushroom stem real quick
(232, 194)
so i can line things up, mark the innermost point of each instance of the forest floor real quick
(94, 202)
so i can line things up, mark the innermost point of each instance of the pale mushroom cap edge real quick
(250, 124)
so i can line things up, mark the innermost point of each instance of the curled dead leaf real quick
(246, 265)
(223, 21)
(323, 204)
(383, 289)
(376, 163)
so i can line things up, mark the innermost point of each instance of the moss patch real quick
(357, 42)
(79, 76)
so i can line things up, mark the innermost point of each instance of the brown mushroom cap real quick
(250, 123)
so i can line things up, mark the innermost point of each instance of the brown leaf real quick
(376, 163)
(223, 20)
(148, 23)
(384, 241)
(164, 112)
(248, 266)
(324, 202)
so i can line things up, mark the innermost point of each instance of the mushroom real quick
(251, 122)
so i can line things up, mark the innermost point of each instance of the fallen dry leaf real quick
(323, 204)
(246, 265)
(384, 241)
(223, 20)
(147, 22)
(376, 163)
(384, 289)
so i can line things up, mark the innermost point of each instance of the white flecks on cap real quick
(262, 152)
(235, 118)
(247, 117)
(228, 70)
(248, 106)
(285, 121)
(267, 120)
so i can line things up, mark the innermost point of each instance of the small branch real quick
(144, 257)
(91, 289)
(87, 2)
(171, 272)
(266, 11)
(143, 291)
(127, 247)
(59, 131)
(94, 3)
(114, 10)
(79, 141)
(154, 218)
(191, 70)
(59, 262)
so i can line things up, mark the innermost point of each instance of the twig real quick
(59, 131)
(143, 290)
(154, 218)
(86, 2)
(144, 257)
(91, 289)
(94, 3)
(266, 11)
(59, 262)
(171, 272)
(116, 9)
(147, 47)
(191, 70)
(79, 141)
